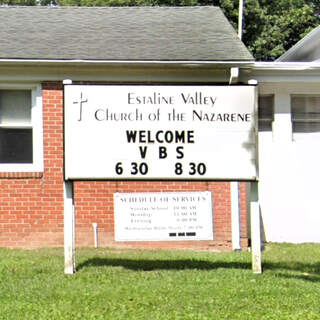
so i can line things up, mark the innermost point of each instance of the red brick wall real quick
(243, 196)
(31, 204)
(94, 204)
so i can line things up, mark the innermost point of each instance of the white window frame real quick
(37, 130)
(309, 120)
(266, 120)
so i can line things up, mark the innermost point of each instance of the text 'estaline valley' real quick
(196, 98)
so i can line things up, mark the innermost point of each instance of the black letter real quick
(143, 152)
(162, 152)
(131, 136)
(180, 154)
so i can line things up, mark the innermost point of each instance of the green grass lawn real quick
(135, 284)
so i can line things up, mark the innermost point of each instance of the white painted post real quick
(235, 215)
(69, 229)
(95, 234)
(255, 229)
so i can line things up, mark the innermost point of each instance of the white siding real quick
(289, 172)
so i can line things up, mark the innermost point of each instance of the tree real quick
(18, 2)
(271, 27)
(278, 25)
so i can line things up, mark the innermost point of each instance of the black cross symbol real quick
(82, 100)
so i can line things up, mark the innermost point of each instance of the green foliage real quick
(18, 2)
(166, 285)
(279, 25)
(271, 27)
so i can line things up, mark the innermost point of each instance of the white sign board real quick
(160, 132)
(163, 216)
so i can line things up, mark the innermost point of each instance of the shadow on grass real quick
(149, 265)
(290, 270)
(304, 277)
(293, 266)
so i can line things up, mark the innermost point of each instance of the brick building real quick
(110, 46)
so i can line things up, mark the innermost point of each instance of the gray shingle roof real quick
(305, 50)
(119, 33)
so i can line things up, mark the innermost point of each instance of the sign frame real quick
(189, 138)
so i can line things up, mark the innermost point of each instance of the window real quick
(20, 129)
(265, 112)
(305, 112)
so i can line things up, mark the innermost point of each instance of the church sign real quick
(160, 132)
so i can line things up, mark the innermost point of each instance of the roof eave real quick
(286, 66)
(141, 63)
